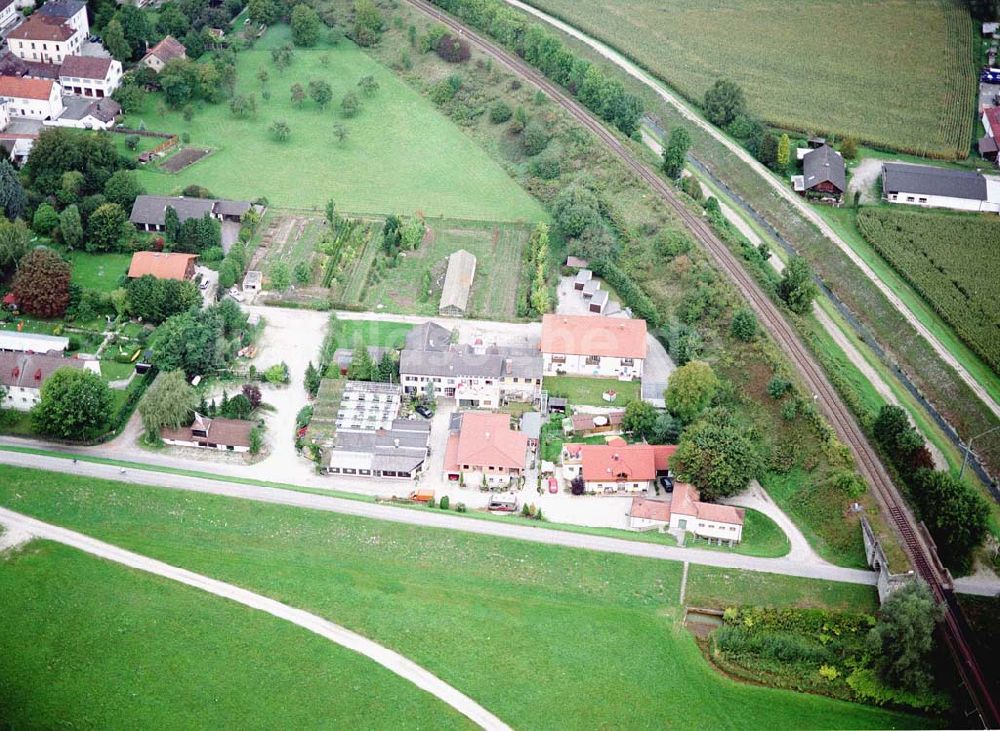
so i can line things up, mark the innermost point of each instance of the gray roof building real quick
(464, 361)
(151, 210)
(458, 284)
(61, 8)
(898, 177)
(428, 336)
(824, 165)
(78, 107)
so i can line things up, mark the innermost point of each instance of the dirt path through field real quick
(778, 186)
(392, 661)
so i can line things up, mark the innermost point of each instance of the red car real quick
(553, 485)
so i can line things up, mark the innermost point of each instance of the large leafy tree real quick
(114, 39)
(154, 300)
(15, 241)
(59, 150)
(956, 515)
(690, 390)
(902, 640)
(42, 283)
(190, 341)
(123, 188)
(12, 197)
(724, 102)
(71, 226)
(675, 152)
(305, 26)
(76, 404)
(796, 286)
(639, 419)
(107, 226)
(717, 458)
(169, 402)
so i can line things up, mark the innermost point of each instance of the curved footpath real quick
(637, 73)
(440, 519)
(393, 661)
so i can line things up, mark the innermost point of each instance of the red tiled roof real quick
(20, 88)
(616, 337)
(167, 49)
(685, 501)
(160, 265)
(650, 509)
(487, 440)
(42, 28)
(605, 463)
(85, 67)
(993, 120)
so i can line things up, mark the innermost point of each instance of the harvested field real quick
(185, 158)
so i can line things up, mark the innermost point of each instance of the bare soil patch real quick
(184, 158)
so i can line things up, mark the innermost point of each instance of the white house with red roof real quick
(582, 345)
(622, 469)
(48, 37)
(482, 448)
(684, 511)
(39, 99)
(92, 76)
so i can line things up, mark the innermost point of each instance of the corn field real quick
(952, 260)
(894, 74)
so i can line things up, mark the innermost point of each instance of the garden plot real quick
(291, 241)
(370, 281)
(185, 158)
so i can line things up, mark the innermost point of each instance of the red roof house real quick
(161, 265)
(590, 345)
(485, 443)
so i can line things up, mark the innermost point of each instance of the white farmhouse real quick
(23, 374)
(90, 76)
(683, 511)
(38, 99)
(45, 39)
(581, 345)
(934, 187)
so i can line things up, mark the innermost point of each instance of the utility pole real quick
(968, 448)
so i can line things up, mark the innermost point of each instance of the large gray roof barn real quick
(900, 177)
(458, 284)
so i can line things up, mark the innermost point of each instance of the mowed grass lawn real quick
(543, 636)
(89, 643)
(98, 271)
(400, 154)
(352, 333)
(583, 391)
(846, 67)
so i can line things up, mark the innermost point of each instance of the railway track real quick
(919, 549)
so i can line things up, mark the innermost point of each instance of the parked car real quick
(424, 411)
(666, 484)
(503, 503)
(553, 485)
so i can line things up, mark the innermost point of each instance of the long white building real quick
(603, 347)
(39, 99)
(933, 187)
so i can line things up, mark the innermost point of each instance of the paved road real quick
(393, 661)
(440, 519)
(779, 186)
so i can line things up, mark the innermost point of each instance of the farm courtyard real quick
(793, 63)
(400, 154)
